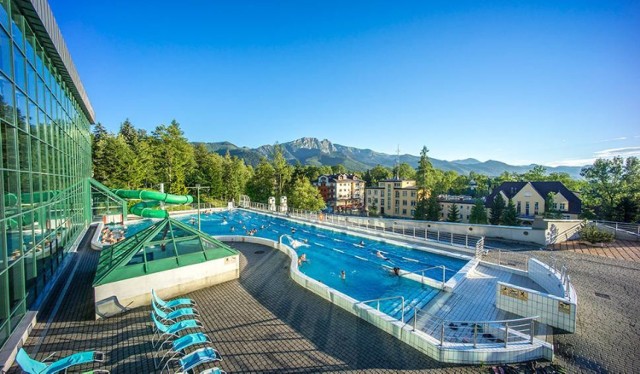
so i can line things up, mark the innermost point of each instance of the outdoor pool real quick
(367, 275)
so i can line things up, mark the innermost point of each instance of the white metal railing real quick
(421, 272)
(632, 229)
(415, 230)
(378, 300)
(503, 332)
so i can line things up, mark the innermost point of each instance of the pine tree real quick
(454, 213)
(510, 216)
(478, 213)
(433, 208)
(497, 208)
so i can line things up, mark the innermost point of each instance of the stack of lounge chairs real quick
(178, 340)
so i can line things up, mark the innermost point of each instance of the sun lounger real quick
(179, 345)
(172, 304)
(193, 359)
(167, 332)
(175, 315)
(32, 366)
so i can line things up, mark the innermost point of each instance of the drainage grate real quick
(603, 295)
(258, 252)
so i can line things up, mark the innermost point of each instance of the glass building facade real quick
(45, 158)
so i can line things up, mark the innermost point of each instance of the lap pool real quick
(368, 274)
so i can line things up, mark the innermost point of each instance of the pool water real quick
(367, 276)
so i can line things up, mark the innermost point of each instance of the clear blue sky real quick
(550, 82)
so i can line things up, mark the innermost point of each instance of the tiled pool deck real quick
(264, 322)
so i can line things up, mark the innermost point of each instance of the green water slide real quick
(151, 199)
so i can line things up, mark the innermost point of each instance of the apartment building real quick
(392, 197)
(341, 192)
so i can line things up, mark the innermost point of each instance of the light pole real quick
(197, 187)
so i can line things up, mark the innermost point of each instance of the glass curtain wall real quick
(45, 160)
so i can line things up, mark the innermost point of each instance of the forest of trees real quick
(135, 159)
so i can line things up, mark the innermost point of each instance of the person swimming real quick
(362, 243)
(380, 255)
(302, 258)
(343, 275)
(396, 271)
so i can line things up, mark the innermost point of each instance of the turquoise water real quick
(328, 253)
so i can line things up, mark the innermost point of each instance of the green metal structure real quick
(105, 202)
(165, 245)
(147, 208)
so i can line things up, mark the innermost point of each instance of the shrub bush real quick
(594, 235)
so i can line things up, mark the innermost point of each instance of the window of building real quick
(413, 212)
(397, 193)
(404, 202)
(536, 207)
(413, 203)
(526, 208)
(404, 193)
(404, 211)
(518, 208)
(562, 206)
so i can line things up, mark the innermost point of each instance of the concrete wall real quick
(117, 297)
(551, 310)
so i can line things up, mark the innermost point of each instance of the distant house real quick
(341, 192)
(393, 197)
(464, 204)
(529, 198)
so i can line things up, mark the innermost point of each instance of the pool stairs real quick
(417, 299)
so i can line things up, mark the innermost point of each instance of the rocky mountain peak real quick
(324, 146)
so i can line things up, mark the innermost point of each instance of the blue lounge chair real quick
(162, 331)
(172, 304)
(215, 370)
(175, 315)
(179, 345)
(32, 366)
(193, 359)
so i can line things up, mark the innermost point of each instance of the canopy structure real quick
(165, 245)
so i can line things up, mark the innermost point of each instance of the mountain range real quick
(312, 151)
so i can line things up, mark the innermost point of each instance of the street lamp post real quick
(197, 187)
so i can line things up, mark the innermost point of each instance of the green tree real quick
(174, 156)
(510, 216)
(425, 173)
(605, 185)
(305, 196)
(376, 174)
(404, 171)
(497, 208)
(338, 169)
(478, 213)
(283, 171)
(433, 208)
(537, 174)
(233, 178)
(262, 184)
(454, 213)
(372, 210)
(549, 209)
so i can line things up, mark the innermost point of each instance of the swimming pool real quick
(367, 275)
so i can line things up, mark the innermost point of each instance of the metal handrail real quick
(422, 271)
(506, 322)
(383, 299)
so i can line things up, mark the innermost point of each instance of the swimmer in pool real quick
(380, 255)
(396, 271)
(343, 275)
(362, 243)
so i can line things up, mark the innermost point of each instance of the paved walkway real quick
(619, 249)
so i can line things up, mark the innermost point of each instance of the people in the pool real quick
(396, 271)
(343, 275)
(380, 255)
